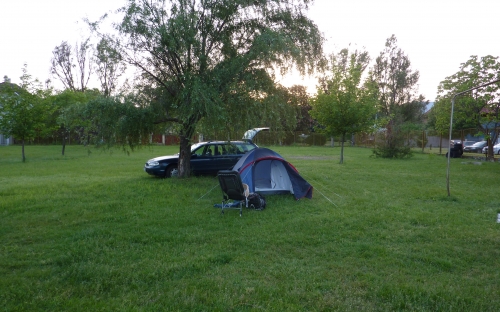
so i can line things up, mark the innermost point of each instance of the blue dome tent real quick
(266, 172)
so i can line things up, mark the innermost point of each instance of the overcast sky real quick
(437, 35)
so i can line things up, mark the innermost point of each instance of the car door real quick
(202, 159)
(229, 156)
(221, 158)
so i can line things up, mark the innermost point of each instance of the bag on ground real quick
(256, 201)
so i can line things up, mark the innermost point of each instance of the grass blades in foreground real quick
(94, 232)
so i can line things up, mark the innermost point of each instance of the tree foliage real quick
(68, 121)
(22, 108)
(211, 61)
(344, 104)
(107, 121)
(398, 99)
(479, 108)
(299, 99)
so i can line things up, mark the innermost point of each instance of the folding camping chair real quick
(232, 190)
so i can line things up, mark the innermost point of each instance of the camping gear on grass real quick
(233, 190)
(235, 193)
(256, 201)
(266, 172)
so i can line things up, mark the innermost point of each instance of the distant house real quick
(5, 140)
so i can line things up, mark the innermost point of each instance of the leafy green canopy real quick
(212, 61)
(345, 105)
(215, 57)
(22, 108)
(479, 108)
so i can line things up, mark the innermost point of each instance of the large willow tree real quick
(212, 61)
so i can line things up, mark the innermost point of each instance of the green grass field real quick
(93, 232)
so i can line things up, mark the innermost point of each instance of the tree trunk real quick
(342, 149)
(63, 144)
(22, 150)
(491, 153)
(63, 135)
(185, 136)
(184, 166)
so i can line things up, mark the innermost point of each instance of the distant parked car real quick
(475, 148)
(496, 149)
(469, 143)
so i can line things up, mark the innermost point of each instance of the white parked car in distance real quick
(496, 149)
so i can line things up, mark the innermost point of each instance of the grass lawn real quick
(94, 232)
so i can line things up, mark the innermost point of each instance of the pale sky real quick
(437, 35)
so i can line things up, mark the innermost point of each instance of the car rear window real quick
(244, 147)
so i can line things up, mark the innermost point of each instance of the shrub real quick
(392, 152)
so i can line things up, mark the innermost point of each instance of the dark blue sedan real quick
(206, 158)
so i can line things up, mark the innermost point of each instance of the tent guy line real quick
(208, 192)
(316, 183)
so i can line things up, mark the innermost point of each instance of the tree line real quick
(204, 66)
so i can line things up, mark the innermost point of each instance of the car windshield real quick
(478, 144)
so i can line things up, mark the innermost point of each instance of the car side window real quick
(210, 151)
(231, 149)
(243, 148)
(217, 150)
(222, 149)
(200, 151)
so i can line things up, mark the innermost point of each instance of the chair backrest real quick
(231, 184)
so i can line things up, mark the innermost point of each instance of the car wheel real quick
(171, 171)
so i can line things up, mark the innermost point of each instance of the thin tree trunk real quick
(63, 145)
(22, 150)
(63, 140)
(342, 149)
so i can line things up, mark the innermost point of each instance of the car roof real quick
(223, 142)
(196, 145)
